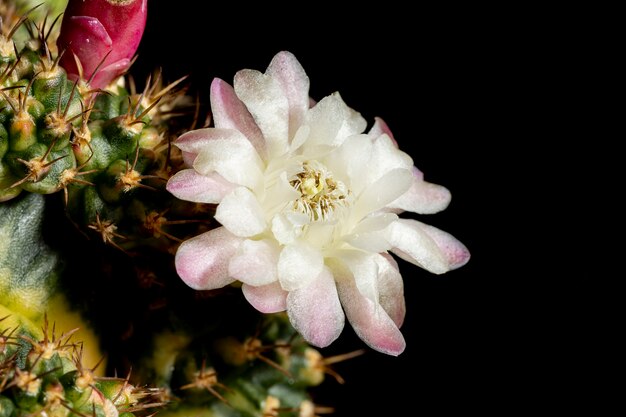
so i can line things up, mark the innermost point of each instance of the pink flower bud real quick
(91, 29)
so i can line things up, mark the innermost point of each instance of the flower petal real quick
(202, 261)
(230, 154)
(381, 128)
(351, 161)
(370, 235)
(454, 251)
(190, 186)
(426, 246)
(266, 101)
(294, 82)
(370, 322)
(386, 157)
(230, 113)
(195, 140)
(363, 269)
(390, 288)
(278, 193)
(287, 227)
(331, 122)
(241, 213)
(269, 298)
(315, 311)
(255, 262)
(299, 264)
(423, 197)
(383, 191)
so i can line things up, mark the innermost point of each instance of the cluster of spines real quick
(46, 377)
(266, 373)
(100, 148)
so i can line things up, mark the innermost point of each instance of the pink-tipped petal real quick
(230, 113)
(195, 141)
(230, 154)
(315, 311)
(295, 84)
(381, 128)
(369, 320)
(422, 197)
(190, 186)
(425, 246)
(269, 298)
(268, 104)
(391, 288)
(455, 252)
(202, 261)
(188, 158)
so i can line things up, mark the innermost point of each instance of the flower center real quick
(320, 194)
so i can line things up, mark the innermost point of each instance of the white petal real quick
(269, 298)
(315, 311)
(301, 136)
(287, 227)
(294, 82)
(202, 261)
(370, 235)
(190, 186)
(386, 157)
(390, 288)
(255, 262)
(423, 197)
(241, 213)
(233, 157)
(278, 193)
(369, 320)
(332, 121)
(299, 264)
(351, 161)
(383, 191)
(364, 269)
(230, 113)
(412, 244)
(266, 101)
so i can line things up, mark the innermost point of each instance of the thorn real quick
(95, 71)
(22, 20)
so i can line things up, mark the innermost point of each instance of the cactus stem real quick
(36, 168)
(69, 100)
(9, 69)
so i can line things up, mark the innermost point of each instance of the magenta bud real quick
(91, 29)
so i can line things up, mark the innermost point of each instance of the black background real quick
(453, 83)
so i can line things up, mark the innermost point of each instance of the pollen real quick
(320, 193)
